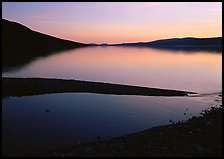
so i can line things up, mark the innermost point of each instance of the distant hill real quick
(186, 44)
(21, 44)
(217, 41)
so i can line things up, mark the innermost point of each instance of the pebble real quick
(98, 137)
(208, 123)
(199, 148)
(47, 110)
(164, 148)
(88, 149)
(121, 146)
(161, 134)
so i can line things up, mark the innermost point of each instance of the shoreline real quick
(37, 86)
(197, 137)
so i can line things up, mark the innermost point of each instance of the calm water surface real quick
(79, 117)
(192, 71)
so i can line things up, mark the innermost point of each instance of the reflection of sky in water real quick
(77, 117)
(192, 71)
(81, 117)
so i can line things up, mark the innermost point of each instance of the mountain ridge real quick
(12, 31)
(188, 41)
(25, 44)
(21, 44)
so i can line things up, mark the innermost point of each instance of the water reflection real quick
(186, 48)
(79, 117)
(198, 71)
(10, 62)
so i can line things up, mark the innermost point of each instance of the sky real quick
(118, 22)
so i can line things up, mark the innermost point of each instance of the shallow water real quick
(80, 117)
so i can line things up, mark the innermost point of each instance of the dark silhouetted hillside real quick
(181, 43)
(21, 44)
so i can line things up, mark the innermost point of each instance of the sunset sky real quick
(118, 22)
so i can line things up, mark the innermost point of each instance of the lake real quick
(80, 117)
(198, 71)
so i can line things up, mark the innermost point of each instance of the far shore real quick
(37, 86)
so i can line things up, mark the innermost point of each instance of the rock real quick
(66, 154)
(208, 124)
(199, 148)
(98, 138)
(164, 148)
(161, 134)
(88, 149)
(47, 110)
(62, 155)
(121, 146)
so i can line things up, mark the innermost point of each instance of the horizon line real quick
(104, 43)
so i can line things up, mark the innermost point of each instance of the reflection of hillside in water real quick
(10, 63)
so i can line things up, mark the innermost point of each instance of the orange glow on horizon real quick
(97, 22)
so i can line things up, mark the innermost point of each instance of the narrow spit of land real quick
(36, 86)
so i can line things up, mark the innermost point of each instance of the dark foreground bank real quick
(199, 136)
(36, 86)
